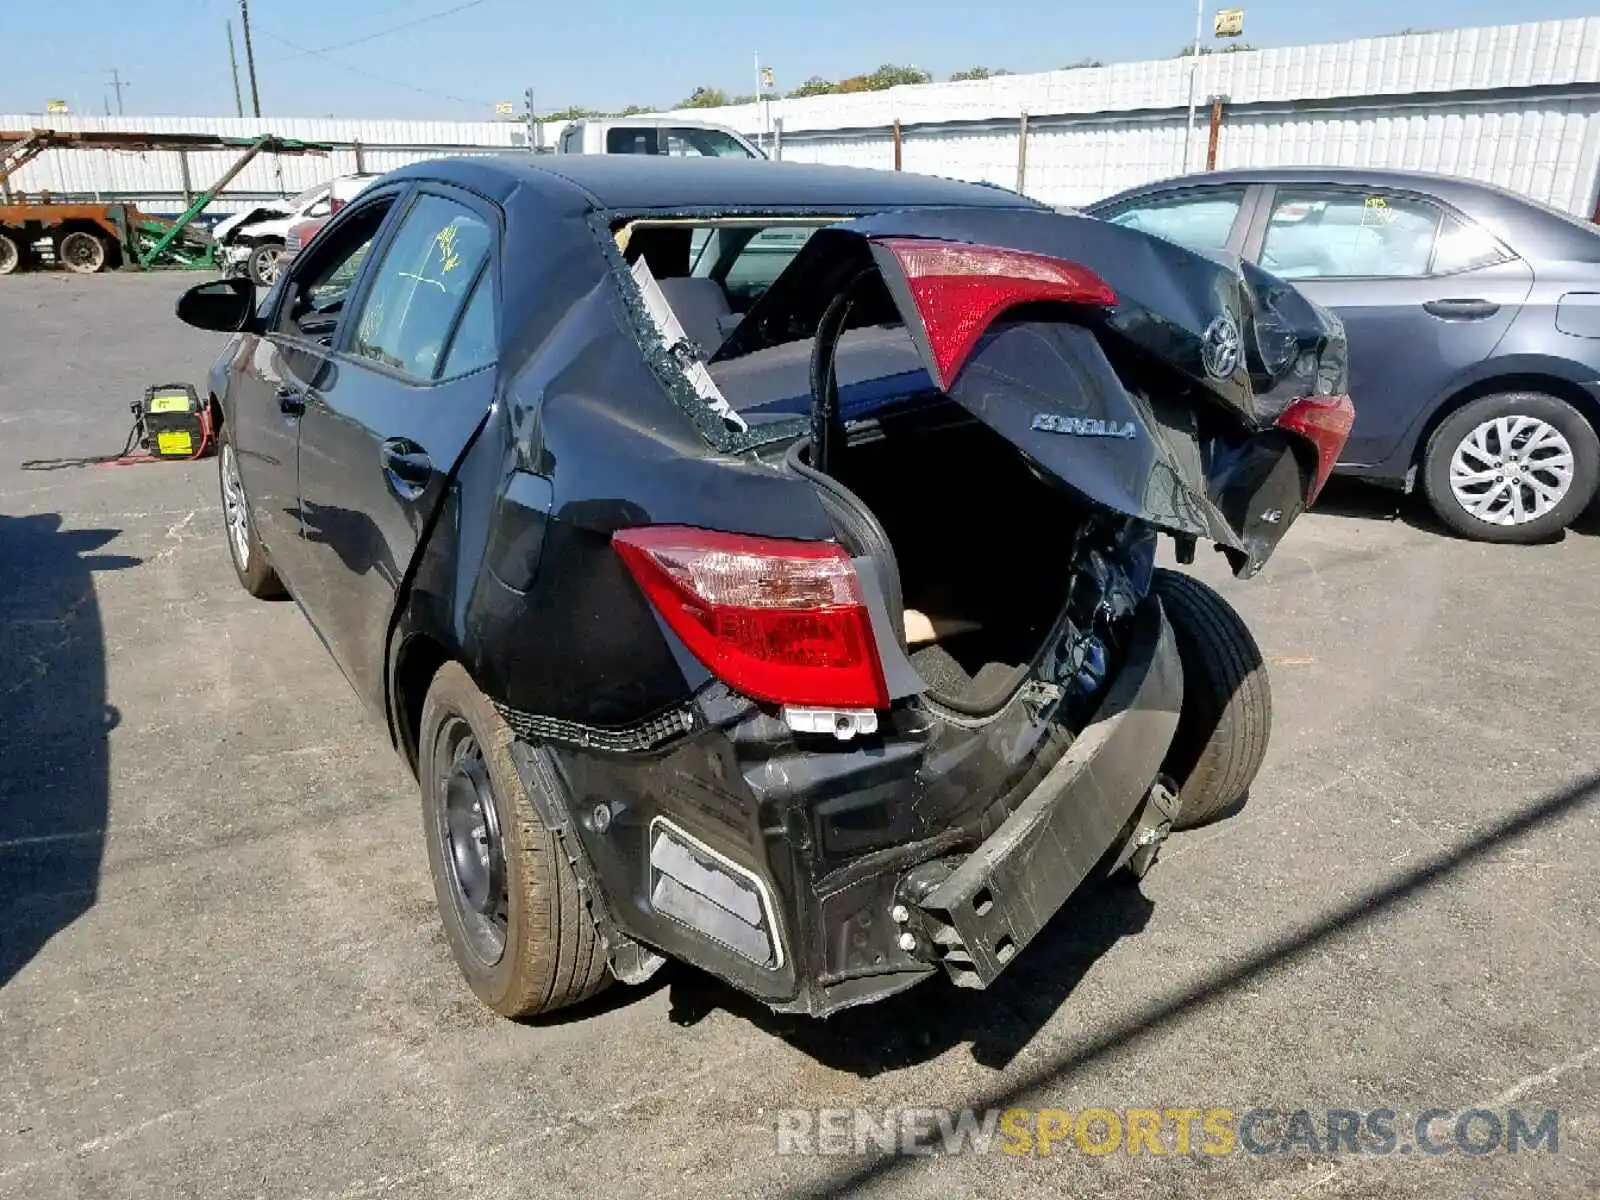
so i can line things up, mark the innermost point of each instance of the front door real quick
(286, 365)
(384, 429)
(1423, 293)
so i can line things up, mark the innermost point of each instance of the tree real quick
(815, 86)
(573, 113)
(974, 73)
(743, 98)
(889, 75)
(1079, 64)
(704, 97)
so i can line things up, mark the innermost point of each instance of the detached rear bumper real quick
(984, 911)
(781, 863)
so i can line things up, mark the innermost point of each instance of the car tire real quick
(1474, 434)
(532, 948)
(10, 255)
(1226, 719)
(249, 556)
(262, 265)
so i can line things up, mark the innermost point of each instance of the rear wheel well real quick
(420, 660)
(1549, 385)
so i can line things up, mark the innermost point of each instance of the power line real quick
(411, 24)
(399, 83)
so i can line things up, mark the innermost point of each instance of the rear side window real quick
(1463, 246)
(1314, 234)
(630, 140)
(1198, 221)
(421, 285)
(473, 346)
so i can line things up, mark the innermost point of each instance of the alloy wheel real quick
(234, 508)
(473, 853)
(1511, 470)
(264, 264)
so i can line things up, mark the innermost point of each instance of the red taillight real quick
(960, 289)
(1325, 422)
(777, 620)
(335, 204)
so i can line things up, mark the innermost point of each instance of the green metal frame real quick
(267, 142)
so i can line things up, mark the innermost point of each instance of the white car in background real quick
(253, 240)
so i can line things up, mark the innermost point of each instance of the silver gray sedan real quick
(1473, 318)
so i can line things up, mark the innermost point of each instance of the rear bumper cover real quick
(839, 841)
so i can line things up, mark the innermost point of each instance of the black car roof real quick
(644, 182)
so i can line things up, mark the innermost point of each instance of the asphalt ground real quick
(221, 973)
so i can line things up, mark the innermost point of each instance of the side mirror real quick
(222, 305)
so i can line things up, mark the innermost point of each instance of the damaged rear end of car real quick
(911, 733)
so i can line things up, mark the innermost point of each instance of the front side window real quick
(420, 285)
(1199, 221)
(316, 291)
(1329, 234)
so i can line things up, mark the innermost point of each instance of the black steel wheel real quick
(82, 252)
(513, 912)
(467, 826)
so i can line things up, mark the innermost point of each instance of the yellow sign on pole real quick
(766, 77)
(504, 108)
(1228, 22)
(56, 106)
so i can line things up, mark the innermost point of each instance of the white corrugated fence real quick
(1517, 105)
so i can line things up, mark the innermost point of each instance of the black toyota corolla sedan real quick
(754, 561)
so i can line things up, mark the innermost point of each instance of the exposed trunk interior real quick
(983, 544)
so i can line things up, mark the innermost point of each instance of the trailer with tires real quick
(89, 235)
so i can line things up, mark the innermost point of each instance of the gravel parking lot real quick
(221, 973)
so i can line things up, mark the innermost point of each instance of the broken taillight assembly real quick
(1325, 422)
(779, 620)
(960, 289)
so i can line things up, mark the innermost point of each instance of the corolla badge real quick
(1219, 347)
(1083, 426)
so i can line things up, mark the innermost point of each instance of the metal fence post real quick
(897, 143)
(1022, 151)
(777, 139)
(1216, 132)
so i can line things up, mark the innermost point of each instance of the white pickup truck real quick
(654, 135)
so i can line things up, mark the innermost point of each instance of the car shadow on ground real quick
(935, 1016)
(1367, 501)
(54, 722)
(1221, 984)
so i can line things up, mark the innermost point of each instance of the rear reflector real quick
(1325, 422)
(778, 620)
(960, 289)
(335, 204)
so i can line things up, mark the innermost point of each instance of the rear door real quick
(1424, 294)
(409, 387)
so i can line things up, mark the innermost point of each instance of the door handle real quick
(291, 401)
(406, 467)
(1461, 310)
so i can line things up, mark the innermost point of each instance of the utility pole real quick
(249, 57)
(116, 85)
(1194, 71)
(233, 65)
(534, 134)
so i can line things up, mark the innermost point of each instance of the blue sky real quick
(606, 53)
